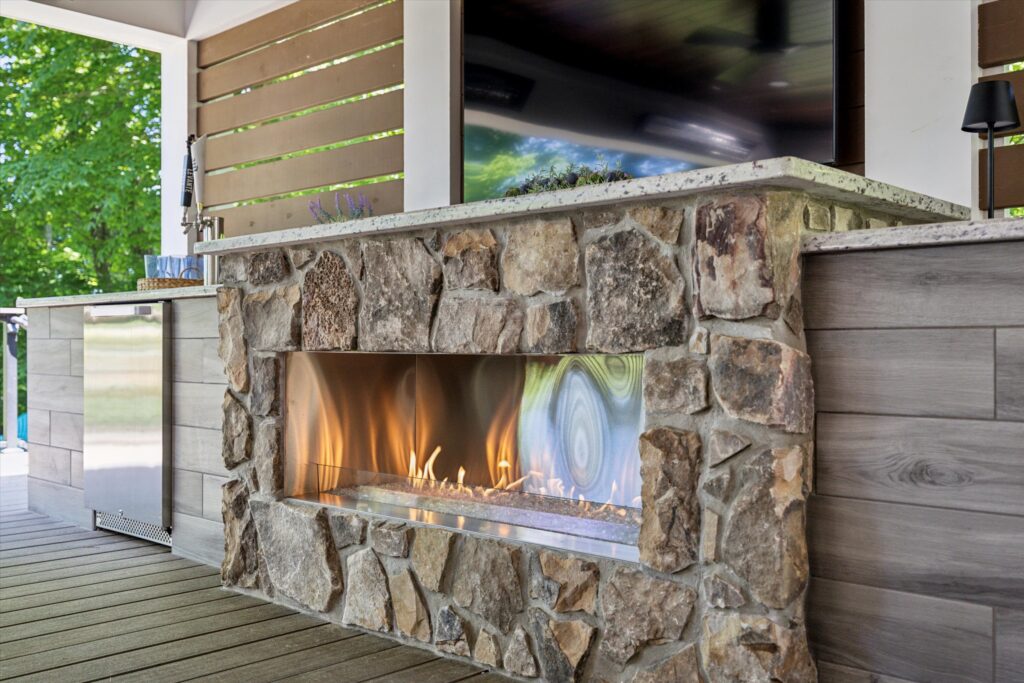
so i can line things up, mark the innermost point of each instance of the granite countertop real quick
(782, 173)
(121, 297)
(935, 234)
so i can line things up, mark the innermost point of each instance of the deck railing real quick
(12, 320)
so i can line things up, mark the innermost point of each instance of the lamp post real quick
(991, 109)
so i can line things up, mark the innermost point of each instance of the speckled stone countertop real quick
(931, 235)
(121, 297)
(782, 173)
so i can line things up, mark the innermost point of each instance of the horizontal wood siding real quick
(301, 102)
(916, 528)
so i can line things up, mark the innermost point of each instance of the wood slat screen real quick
(1001, 42)
(1000, 32)
(300, 103)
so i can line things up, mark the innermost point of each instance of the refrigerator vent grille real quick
(133, 527)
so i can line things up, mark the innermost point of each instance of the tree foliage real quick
(80, 162)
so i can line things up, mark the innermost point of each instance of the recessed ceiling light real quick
(778, 84)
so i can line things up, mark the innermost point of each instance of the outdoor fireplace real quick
(540, 448)
(438, 425)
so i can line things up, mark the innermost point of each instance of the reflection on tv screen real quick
(643, 87)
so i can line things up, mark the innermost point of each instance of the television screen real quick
(641, 87)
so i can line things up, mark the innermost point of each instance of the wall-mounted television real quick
(643, 86)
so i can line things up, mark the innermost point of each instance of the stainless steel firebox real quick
(539, 448)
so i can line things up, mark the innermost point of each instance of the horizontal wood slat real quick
(373, 72)
(360, 32)
(362, 160)
(955, 554)
(1009, 176)
(837, 673)
(957, 286)
(1009, 644)
(958, 464)
(288, 20)
(1000, 32)
(915, 637)
(927, 372)
(1016, 79)
(386, 197)
(343, 122)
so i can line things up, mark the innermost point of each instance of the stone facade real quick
(702, 287)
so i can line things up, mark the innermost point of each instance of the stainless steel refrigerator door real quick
(127, 410)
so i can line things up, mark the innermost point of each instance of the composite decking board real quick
(108, 600)
(41, 574)
(314, 658)
(114, 613)
(97, 580)
(17, 529)
(437, 671)
(900, 634)
(54, 532)
(62, 536)
(366, 667)
(139, 623)
(1010, 373)
(1009, 644)
(155, 655)
(224, 660)
(117, 642)
(959, 555)
(105, 553)
(952, 463)
(65, 549)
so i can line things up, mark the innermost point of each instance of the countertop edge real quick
(782, 173)
(120, 297)
(931, 235)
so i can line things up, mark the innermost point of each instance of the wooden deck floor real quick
(80, 605)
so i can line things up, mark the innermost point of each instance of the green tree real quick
(80, 162)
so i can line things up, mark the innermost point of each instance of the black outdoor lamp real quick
(991, 108)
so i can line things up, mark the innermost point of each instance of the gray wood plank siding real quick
(916, 528)
(56, 431)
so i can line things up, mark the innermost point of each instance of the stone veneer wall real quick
(707, 287)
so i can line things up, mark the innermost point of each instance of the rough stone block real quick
(747, 647)
(450, 634)
(541, 256)
(400, 282)
(518, 657)
(681, 667)
(301, 559)
(670, 527)
(486, 581)
(267, 459)
(346, 529)
(367, 600)
(476, 325)
(390, 538)
(550, 327)
(763, 381)
(237, 432)
(562, 646)
(411, 616)
(272, 319)
(231, 344)
(630, 623)
(674, 383)
(635, 295)
(430, 550)
(330, 304)
(263, 399)
(575, 581)
(662, 222)
(240, 566)
(470, 260)
(268, 267)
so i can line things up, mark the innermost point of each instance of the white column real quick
(177, 119)
(433, 109)
(919, 65)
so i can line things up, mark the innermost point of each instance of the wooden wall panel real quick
(361, 32)
(927, 372)
(1000, 32)
(342, 122)
(373, 72)
(386, 197)
(362, 160)
(916, 637)
(268, 28)
(969, 556)
(924, 287)
(1009, 176)
(1009, 645)
(1010, 375)
(959, 464)
(837, 673)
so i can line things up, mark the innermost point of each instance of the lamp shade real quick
(991, 104)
